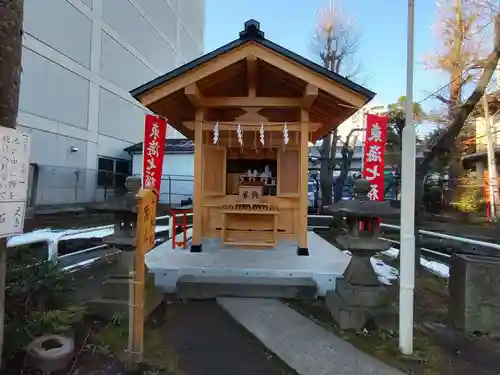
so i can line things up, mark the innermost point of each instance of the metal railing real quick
(424, 232)
(53, 239)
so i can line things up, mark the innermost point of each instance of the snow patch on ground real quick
(387, 274)
(439, 269)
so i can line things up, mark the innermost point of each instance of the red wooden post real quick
(183, 225)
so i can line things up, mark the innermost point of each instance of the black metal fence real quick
(176, 188)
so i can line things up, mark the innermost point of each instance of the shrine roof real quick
(252, 33)
(281, 82)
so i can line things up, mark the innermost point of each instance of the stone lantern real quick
(359, 293)
(114, 293)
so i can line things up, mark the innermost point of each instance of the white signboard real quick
(14, 172)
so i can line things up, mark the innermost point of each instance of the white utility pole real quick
(492, 166)
(407, 232)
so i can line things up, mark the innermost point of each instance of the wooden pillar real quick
(197, 194)
(303, 188)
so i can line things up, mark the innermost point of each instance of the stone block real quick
(346, 316)
(363, 296)
(474, 292)
(119, 303)
(209, 287)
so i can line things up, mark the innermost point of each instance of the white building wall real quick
(481, 128)
(80, 59)
(177, 176)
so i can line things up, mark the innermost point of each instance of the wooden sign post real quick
(145, 241)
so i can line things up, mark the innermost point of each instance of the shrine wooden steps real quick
(209, 287)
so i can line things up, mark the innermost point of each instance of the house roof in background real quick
(172, 146)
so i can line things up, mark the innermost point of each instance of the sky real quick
(382, 25)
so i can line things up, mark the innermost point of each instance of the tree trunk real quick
(11, 16)
(344, 171)
(10, 60)
(326, 183)
(327, 153)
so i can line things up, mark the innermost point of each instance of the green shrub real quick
(34, 300)
(467, 196)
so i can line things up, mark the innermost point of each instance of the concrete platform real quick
(324, 264)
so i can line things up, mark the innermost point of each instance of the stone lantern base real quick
(352, 305)
(114, 291)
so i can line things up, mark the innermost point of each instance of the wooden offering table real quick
(250, 224)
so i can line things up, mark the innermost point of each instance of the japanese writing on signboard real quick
(155, 131)
(374, 152)
(14, 172)
(146, 220)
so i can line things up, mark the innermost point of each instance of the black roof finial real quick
(252, 30)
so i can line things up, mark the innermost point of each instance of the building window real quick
(111, 173)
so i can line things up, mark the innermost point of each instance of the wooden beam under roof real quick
(252, 75)
(240, 102)
(194, 95)
(310, 96)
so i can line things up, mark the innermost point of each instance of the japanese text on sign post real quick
(146, 224)
(374, 152)
(14, 171)
(155, 131)
(146, 220)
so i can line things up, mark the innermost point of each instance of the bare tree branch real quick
(336, 42)
(445, 143)
(462, 52)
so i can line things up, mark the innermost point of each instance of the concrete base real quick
(208, 287)
(323, 265)
(362, 296)
(346, 316)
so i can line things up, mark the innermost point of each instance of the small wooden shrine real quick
(252, 107)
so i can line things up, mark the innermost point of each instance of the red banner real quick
(374, 152)
(155, 132)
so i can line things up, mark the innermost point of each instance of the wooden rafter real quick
(194, 95)
(252, 102)
(252, 75)
(302, 73)
(310, 95)
(252, 115)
